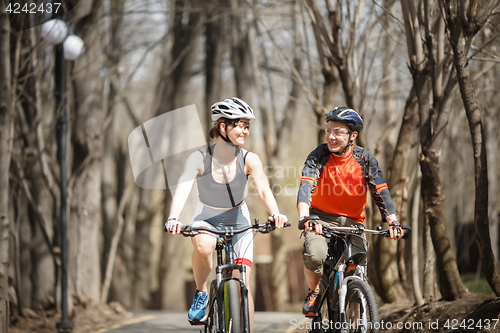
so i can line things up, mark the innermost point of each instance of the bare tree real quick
(215, 41)
(242, 33)
(87, 142)
(5, 157)
(110, 181)
(433, 75)
(464, 20)
(388, 286)
(177, 70)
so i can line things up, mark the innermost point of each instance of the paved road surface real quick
(176, 322)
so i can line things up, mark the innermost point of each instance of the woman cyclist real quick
(221, 172)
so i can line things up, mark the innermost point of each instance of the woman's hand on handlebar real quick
(173, 226)
(279, 220)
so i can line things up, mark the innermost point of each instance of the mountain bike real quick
(347, 302)
(228, 296)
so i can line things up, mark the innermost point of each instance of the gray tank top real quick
(222, 195)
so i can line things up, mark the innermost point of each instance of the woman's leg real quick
(204, 246)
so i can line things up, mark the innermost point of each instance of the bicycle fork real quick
(223, 275)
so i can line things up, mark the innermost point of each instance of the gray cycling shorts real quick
(315, 246)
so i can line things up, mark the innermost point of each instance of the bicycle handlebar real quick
(189, 231)
(354, 229)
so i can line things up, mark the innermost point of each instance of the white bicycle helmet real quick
(232, 108)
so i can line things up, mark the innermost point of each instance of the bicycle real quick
(228, 296)
(347, 302)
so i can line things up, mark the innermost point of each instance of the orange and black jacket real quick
(338, 186)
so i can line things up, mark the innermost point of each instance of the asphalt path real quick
(175, 322)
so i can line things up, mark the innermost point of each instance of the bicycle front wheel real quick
(361, 308)
(212, 323)
(233, 307)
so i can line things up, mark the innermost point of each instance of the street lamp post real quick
(66, 48)
(65, 325)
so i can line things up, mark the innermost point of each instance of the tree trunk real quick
(110, 178)
(428, 73)
(242, 29)
(415, 255)
(215, 46)
(389, 286)
(429, 263)
(85, 222)
(5, 156)
(174, 91)
(44, 192)
(461, 34)
(451, 285)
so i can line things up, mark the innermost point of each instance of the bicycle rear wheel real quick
(233, 307)
(212, 323)
(361, 308)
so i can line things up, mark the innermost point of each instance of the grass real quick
(477, 284)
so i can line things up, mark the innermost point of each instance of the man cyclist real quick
(334, 186)
(221, 173)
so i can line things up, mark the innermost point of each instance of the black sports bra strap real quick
(202, 153)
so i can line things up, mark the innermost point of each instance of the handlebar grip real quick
(303, 220)
(287, 224)
(407, 234)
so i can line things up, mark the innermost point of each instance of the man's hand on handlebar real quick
(173, 226)
(395, 231)
(279, 220)
(311, 225)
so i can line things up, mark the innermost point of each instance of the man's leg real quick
(314, 255)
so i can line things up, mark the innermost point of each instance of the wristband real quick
(394, 224)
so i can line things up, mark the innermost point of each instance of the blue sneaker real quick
(197, 311)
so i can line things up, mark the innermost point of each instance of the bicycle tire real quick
(361, 308)
(233, 307)
(212, 323)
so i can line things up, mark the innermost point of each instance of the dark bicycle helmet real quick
(347, 116)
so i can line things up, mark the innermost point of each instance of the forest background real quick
(422, 74)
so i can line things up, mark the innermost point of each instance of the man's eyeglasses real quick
(336, 132)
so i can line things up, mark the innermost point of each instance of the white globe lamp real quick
(54, 31)
(73, 47)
